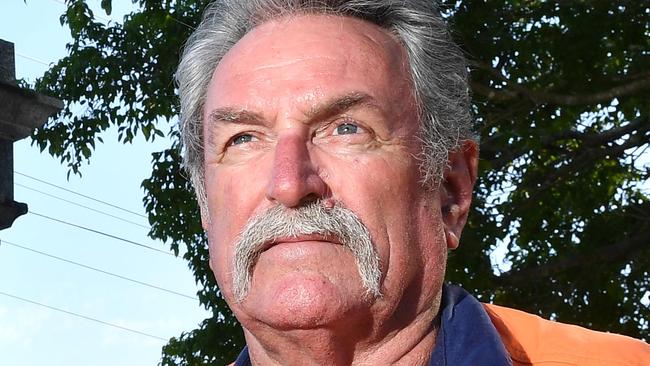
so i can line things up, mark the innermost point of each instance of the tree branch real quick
(589, 155)
(638, 124)
(599, 97)
(515, 90)
(582, 159)
(607, 254)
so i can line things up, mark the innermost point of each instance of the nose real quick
(294, 177)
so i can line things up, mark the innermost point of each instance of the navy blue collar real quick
(466, 335)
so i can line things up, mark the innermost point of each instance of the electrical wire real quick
(80, 205)
(97, 269)
(84, 316)
(32, 59)
(101, 233)
(79, 194)
(181, 23)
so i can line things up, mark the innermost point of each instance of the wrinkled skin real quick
(321, 107)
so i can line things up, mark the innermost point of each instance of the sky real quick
(32, 334)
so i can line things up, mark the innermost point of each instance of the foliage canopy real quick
(562, 104)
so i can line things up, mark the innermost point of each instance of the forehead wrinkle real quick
(291, 62)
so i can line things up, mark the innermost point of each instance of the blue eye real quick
(242, 139)
(347, 129)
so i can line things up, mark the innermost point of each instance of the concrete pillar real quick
(21, 111)
(7, 62)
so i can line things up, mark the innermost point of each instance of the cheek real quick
(232, 196)
(385, 192)
(228, 209)
(383, 185)
(398, 203)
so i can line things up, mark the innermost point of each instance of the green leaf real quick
(107, 5)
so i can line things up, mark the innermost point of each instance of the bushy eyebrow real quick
(234, 115)
(339, 105)
(227, 115)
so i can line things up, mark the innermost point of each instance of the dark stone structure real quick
(21, 111)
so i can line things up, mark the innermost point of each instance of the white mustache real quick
(312, 218)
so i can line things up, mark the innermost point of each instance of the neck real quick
(353, 343)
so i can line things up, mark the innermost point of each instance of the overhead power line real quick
(32, 59)
(83, 316)
(101, 233)
(80, 205)
(79, 194)
(181, 23)
(97, 270)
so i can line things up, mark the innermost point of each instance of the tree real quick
(562, 102)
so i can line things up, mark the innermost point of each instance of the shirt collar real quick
(466, 335)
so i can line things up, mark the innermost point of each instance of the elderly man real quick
(331, 150)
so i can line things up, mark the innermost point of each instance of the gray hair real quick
(437, 66)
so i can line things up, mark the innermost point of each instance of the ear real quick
(456, 190)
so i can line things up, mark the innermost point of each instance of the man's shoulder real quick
(531, 340)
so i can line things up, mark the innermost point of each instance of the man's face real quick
(320, 107)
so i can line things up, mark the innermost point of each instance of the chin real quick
(303, 301)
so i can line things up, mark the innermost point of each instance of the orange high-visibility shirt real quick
(531, 340)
